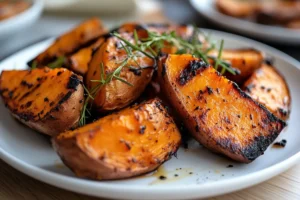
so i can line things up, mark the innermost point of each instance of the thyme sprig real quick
(150, 47)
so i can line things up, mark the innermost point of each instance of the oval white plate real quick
(274, 34)
(16, 23)
(201, 173)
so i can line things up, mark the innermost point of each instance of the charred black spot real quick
(209, 90)
(269, 60)
(10, 94)
(162, 178)
(24, 83)
(59, 73)
(46, 99)
(197, 108)
(251, 117)
(283, 112)
(52, 103)
(26, 116)
(190, 71)
(262, 87)
(28, 104)
(81, 101)
(94, 73)
(38, 78)
(74, 81)
(239, 116)
(142, 129)
(259, 145)
(281, 143)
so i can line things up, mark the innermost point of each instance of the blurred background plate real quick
(15, 24)
(274, 34)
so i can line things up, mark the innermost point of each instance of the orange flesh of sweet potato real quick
(79, 61)
(244, 60)
(218, 114)
(131, 142)
(116, 94)
(268, 87)
(71, 41)
(46, 100)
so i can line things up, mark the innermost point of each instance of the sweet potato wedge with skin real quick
(49, 101)
(79, 61)
(116, 94)
(268, 87)
(217, 113)
(244, 60)
(131, 142)
(70, 42)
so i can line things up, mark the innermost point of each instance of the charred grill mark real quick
(65, 98)
(259, 145)
(28, 104)
(74, 81)
(190, 71)
(29, 92)
(25, 83)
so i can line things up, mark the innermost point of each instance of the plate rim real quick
(261, 31)
(183, 191)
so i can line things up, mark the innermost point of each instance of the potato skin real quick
(70, 42)
(49, 101)
(217, 113)
(268, 87)
(244, 60)
(131, 142)
(116, 94)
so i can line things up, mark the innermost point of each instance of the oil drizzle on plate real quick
(163, 176)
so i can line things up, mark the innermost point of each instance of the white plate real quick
(32, 154)
(269, 33)
(12, 25)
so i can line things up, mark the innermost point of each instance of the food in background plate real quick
(275, 12)
(9, 8)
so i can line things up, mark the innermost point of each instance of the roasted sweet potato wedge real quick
(244, 60)
(81, 36)
(49, 101)
(217, 113)
(117, 94)
(79, 61)
(131, 142)
(236, 8)
(268, 87)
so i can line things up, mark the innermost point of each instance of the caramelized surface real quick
(244, 60)
(117, 94)
(218, 114)
(133, 141)
(71, 41)
(268, 87)
(31, 97)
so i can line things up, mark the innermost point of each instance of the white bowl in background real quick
(16, 23)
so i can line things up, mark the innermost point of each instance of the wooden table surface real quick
(16, 186)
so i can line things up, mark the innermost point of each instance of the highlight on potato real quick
(97, 94)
